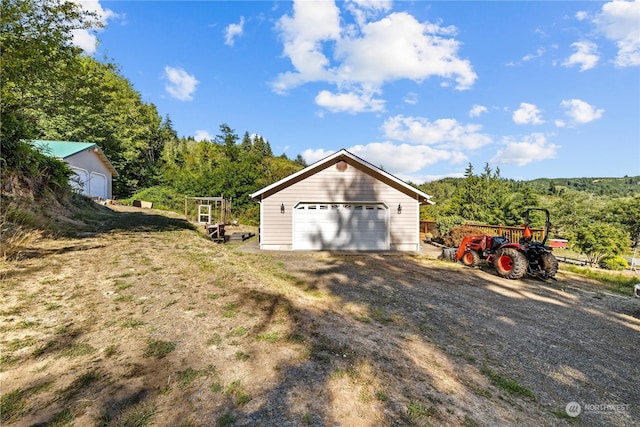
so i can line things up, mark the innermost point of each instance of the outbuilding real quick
(341, 202)
(93, 172)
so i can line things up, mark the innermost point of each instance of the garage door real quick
(98, 185)
(343, 226)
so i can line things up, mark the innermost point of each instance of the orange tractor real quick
(510, 260)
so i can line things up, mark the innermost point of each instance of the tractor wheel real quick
(470, 258)
(510, 264)
(549, 265)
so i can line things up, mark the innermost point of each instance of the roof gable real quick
(350, 158)
(66, 149)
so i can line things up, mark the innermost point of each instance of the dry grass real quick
(14, 239)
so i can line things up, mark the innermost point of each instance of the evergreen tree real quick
(229, 140)
(247, 143)
(299, 160)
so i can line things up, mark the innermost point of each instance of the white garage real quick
(340, 203)
(92, 171)
(341, 226)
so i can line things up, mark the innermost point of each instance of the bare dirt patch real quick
(147, 322)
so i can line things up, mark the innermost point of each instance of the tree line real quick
(600, 220)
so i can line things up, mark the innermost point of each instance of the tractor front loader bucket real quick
(449, 254)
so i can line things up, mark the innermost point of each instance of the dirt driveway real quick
(565, 342)
(177, 330)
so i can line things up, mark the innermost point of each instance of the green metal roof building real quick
(93, 172)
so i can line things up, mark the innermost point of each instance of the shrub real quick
(165, 198)
(250, 215)
(614, 263)
(446, 224)
(455, 236)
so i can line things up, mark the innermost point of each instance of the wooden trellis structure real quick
(207, 210)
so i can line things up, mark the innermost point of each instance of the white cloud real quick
(367, 9)
(539, 52)
(181, 85)
(580, 111)
(400, 47)
(232, 31)
(363, 57)
(618, 22)
(477, 110)
(311, 156)
(411, 98)
(415, 143)
(203, 135)
(441, 133)
(350, 102)
(527, 114)
(402, 158)
(581, 15)
(302, 35)
(586, 56)
(532, 148)
(86, 39)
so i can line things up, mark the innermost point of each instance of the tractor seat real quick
(498, 241)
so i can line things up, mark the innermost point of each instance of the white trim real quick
(261, 229)
(201, 214)
(418, 245)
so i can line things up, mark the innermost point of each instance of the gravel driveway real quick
(553, 343)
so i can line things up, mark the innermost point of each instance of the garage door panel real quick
(98, 185)
(341, 226)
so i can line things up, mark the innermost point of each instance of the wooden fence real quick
(512, 233)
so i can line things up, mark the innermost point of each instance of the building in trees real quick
(92, 171)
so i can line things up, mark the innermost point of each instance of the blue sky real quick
(422, 88)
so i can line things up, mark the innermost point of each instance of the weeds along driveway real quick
(143, 321)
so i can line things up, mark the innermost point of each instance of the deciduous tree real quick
(597, 240)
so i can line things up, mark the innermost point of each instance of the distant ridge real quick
(624, 186)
